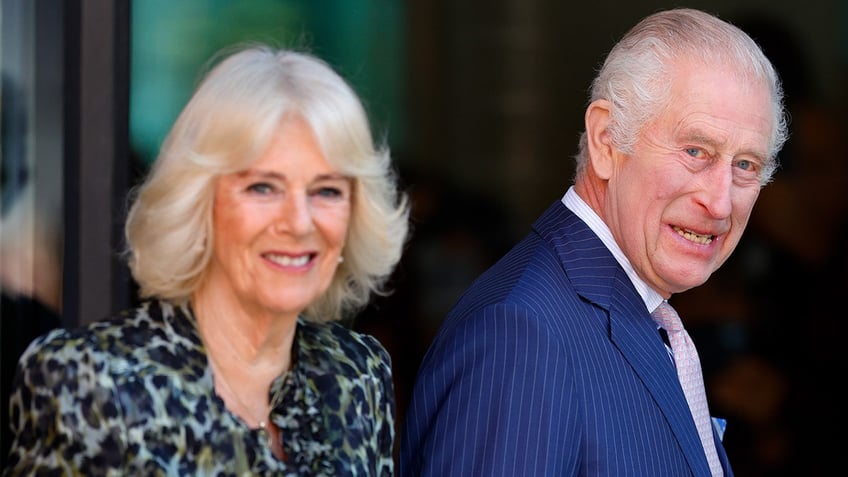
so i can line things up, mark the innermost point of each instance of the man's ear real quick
(601, 150)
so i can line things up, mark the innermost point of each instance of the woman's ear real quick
(601, 150)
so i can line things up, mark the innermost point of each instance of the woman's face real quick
(280, 225)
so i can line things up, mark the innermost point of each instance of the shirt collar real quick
(576, 204)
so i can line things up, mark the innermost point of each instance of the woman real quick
(268, 215)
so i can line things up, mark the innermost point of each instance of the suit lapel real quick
(598, 278)
(636, 337)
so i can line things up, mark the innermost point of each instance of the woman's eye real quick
(330, 192)
(261, 188)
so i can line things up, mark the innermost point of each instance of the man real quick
(551, 364)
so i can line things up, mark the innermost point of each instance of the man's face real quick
(679, 204)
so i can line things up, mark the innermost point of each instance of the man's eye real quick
(745, 165)
(694, 152)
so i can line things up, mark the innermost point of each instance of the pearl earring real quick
(341, 259)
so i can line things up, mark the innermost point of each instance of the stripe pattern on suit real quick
(550, 365)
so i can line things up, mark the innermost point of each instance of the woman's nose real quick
(295, 215)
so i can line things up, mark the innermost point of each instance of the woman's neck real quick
(244, 334)
(245, 352)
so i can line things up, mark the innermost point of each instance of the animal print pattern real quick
(134, 395)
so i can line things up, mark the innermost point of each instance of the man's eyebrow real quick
(698, 136)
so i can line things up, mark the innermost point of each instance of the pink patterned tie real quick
(689, 372)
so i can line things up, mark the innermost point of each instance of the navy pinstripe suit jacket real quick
(550, 365)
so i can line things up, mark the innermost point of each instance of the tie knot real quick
(667, 318)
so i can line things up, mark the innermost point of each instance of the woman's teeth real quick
(287, 261)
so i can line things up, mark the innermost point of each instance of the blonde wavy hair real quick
(226, 125)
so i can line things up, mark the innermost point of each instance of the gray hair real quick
(634, 77)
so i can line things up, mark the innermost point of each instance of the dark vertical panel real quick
(97, 157)
(71, 285)
(47, 143)
(122, 159)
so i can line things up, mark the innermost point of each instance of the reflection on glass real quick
(31, 217)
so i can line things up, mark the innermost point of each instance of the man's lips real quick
(693, 236)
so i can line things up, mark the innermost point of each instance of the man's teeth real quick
(288, 261)
(697, 238)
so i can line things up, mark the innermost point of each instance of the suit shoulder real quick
(527, 273)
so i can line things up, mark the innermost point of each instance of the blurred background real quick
(481, 103)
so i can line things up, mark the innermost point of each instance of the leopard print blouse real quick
(134, 395)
